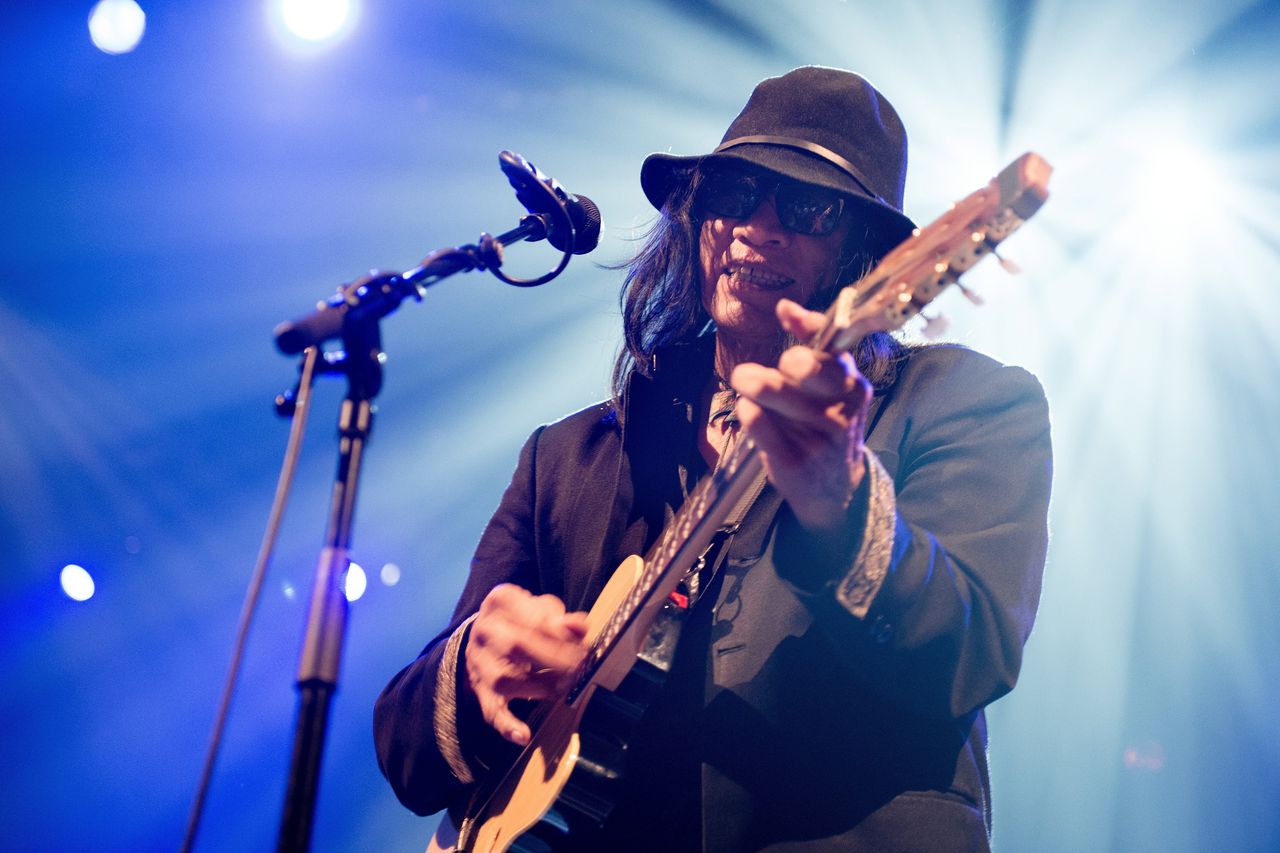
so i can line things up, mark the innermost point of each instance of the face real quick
(748, 264)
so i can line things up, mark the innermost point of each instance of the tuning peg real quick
(935, 326)
(1009, 266)
(970, 294)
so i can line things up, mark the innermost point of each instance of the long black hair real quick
(661, 297)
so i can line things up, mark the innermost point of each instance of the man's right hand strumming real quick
(521, 646)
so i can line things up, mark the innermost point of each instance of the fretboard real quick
(682, 542)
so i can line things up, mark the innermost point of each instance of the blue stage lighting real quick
(356, 582)
(116, 26)
(76, 582)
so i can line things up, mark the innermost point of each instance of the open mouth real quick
(758, 277)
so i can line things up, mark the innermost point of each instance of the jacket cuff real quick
(858, 589)
(445, 715)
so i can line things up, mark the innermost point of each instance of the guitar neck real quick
(683, 541)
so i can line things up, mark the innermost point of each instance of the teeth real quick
(758, 276)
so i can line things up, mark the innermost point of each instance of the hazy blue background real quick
(162, 210)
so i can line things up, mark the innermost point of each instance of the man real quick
(828, 689)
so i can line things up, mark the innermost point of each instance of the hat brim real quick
(661, 174)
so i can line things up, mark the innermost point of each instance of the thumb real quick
(798, 321)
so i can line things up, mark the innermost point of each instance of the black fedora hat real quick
(817, 125)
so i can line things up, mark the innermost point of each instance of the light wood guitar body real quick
(565, 774)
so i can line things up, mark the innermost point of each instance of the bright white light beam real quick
(315, 23)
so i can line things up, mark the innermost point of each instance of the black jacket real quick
(842, 707)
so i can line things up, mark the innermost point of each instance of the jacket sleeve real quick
(933, 591)
(429, 734)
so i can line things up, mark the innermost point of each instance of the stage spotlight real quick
(116, 26)
(390, 574)
(1178, 201)
(1178, 183)
(314, 23)
(76, 582)
(355, 583)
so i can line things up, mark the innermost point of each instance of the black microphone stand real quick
(325, 631)
(353, 316)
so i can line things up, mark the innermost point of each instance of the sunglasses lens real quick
(809, 210)
(729, 193)
(801, 208)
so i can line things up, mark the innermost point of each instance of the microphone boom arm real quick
(380, 293)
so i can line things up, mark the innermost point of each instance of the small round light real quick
(355, 583)
(116, 26)
(76, 582)
(390, 574)
(316, 20)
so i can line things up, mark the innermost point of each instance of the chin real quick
(748, 322)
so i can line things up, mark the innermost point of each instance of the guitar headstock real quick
(935, 257)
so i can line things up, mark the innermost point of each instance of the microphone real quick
(572, 221)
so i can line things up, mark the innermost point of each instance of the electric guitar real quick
(562, 779)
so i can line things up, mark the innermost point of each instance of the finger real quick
(538, 653)
(577, 624)
(547, 606)
(830, 377)
(522, 613)
(782, 449)
(529, 648)
(554, 622)
(524, 683)
(799, 321)
(817, 482)
(527, 612)
(499, 679)
(794, 453)
(508, 724)
(859, 399)
(770, 390)
(505, 598)
(493, 704)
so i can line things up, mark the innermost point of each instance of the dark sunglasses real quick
(736, 193)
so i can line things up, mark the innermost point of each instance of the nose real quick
(762, 227)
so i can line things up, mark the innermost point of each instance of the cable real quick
(292, 450)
